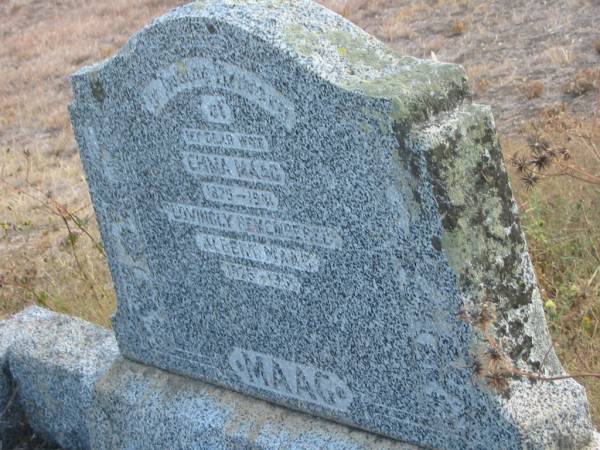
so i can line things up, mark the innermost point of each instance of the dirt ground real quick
(522, 57)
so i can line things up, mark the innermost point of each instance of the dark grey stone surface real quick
(293, 211)
(54, 363)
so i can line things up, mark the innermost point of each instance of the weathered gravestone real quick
(295, 212)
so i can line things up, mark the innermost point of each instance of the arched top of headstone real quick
(317, 39)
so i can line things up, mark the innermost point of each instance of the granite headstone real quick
(294, 211)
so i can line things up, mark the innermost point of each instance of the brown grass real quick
(39, 165)
(458, 27)
(533, 89)
(584, 81)
(559, 56)
(561, 220)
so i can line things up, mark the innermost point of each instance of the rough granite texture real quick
(54, 363)
(293, 211)
(138, 406)
(13, 423)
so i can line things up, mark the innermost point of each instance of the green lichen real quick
(181, 67)
(200, 5)
(96, 86)
(481, 240)
(416, 88)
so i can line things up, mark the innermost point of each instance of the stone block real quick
(13, 424)
(54, 364)
(137, 406)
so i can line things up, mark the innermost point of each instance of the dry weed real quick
(585, 81)
(458, 27)
(559, 56)
(533, 89)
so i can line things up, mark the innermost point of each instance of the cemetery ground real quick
(537, 66)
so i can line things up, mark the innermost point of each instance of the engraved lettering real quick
(303, 386)
(291, 379)
(279, 379)
(254, 225)
(225, 139)
(215, 109)
(324, 388)
(255, 368)
(261, 277)
(267, 254)
(234, 195)
(229, 167)
(205, 73)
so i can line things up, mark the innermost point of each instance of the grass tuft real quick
(458, 27)
(533, 89)
(585, 81)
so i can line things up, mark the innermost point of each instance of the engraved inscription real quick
(263, 253)
(261, 277)
(229, 167)
(290, 379)
(206, 73)
(254, 225)
(225, 139)
(239, 196)
(215, 109)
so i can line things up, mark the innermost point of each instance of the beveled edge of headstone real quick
(329, 46)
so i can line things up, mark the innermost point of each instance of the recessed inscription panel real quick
(239, 196)
(263, 253)
(225, 139)
(261, 277)
(229, 167)
(290, 379)
(254, 225)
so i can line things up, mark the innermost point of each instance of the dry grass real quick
(559, 56)
(561, 219)
(533, 89)
(458, 27)
(585, 81)
(40, 45)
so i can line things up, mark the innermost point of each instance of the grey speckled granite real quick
(55, 362)
(137, 406)
(295, 212)
(13, 424)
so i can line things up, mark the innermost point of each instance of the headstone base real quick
(141, 406)
(54, 374)
(78, 395)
